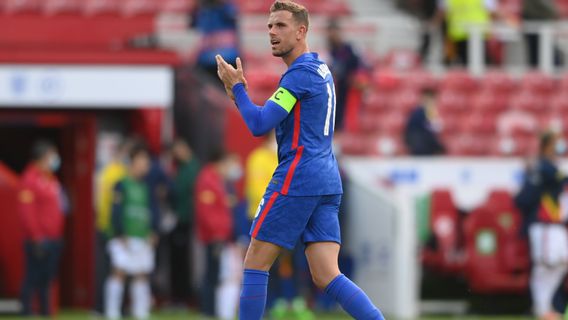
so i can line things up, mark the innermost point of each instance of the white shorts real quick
(549, 244)
(133, 256)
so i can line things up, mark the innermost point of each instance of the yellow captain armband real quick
(284, 98)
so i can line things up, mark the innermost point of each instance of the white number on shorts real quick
(259, 208)
(330, 106)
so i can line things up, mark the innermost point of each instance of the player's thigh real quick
(323, 225)
(261, 255)
(322, 260)
(281, 219)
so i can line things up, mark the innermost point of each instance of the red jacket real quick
(39, 201)
(213, 215)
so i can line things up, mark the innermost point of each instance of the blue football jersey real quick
(306, 163)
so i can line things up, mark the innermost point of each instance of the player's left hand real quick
(229, 75)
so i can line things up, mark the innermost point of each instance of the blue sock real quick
(253, 295)
(353, 300)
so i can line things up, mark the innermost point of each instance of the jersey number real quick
(330, 106)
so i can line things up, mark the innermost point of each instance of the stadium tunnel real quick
(77, 124)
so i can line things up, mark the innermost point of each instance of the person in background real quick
(539, 11)
(547, 233)
(344, 66)
(41, 210)
(134, 237)
(188, 167)
(460, 16)
(214, 222)
(260, 166)
(217, 22)
(421, 131)
(107, 178)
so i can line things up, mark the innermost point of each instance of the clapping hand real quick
(229, 75)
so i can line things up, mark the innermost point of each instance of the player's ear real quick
(301, 32)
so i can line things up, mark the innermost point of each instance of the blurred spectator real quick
(539, 11)
(184, 193)
(344, 66)
(43, 220)
(109, 175)
(260, 166)
(426, 13)
(462, 15)
(217, 22)
(134, 237)
(547, 232)
(230, 265)
(422, 127)
(214, 222)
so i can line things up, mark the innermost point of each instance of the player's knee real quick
(321, 280)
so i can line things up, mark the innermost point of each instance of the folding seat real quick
(527, 101)
(401, 60)
(385, 81)
(392, 123)
(489, 102)
(446, 255)
(405, 101)
(459, 81)
(559, 102)
(498, 82)
(450, 101)
(139, 7)
(514, 256)
(484, 241)
(376, 101)
(419, 79)
(178, 6)
(54, 7)
(370, 123)
(480, 123)
(19, 6)
(538, 83)
(101, 7)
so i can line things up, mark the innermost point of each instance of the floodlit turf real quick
(70, 315)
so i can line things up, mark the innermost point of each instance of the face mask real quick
(560, 147)
(54, 163)
(234, 173)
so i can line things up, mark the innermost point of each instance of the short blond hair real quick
(299, 12)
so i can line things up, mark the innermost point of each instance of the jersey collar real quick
(305, 57)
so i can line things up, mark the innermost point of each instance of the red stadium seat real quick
(446, 257)
(385, 81)
(528, 102)
(18, 6)
(489, 102)
(498, 82)
(559, 103)
(52, 7)
(99, 7)
(538, 83)
(178, 6)
(137, 7)
(405, 101)
(419, 79)
(401, 60)
(452, 102)
(485, 243)
(376, 102)
(459, 81)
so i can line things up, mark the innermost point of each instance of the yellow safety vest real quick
(465, 13)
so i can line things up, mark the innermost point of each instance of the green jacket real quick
(184, 184)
